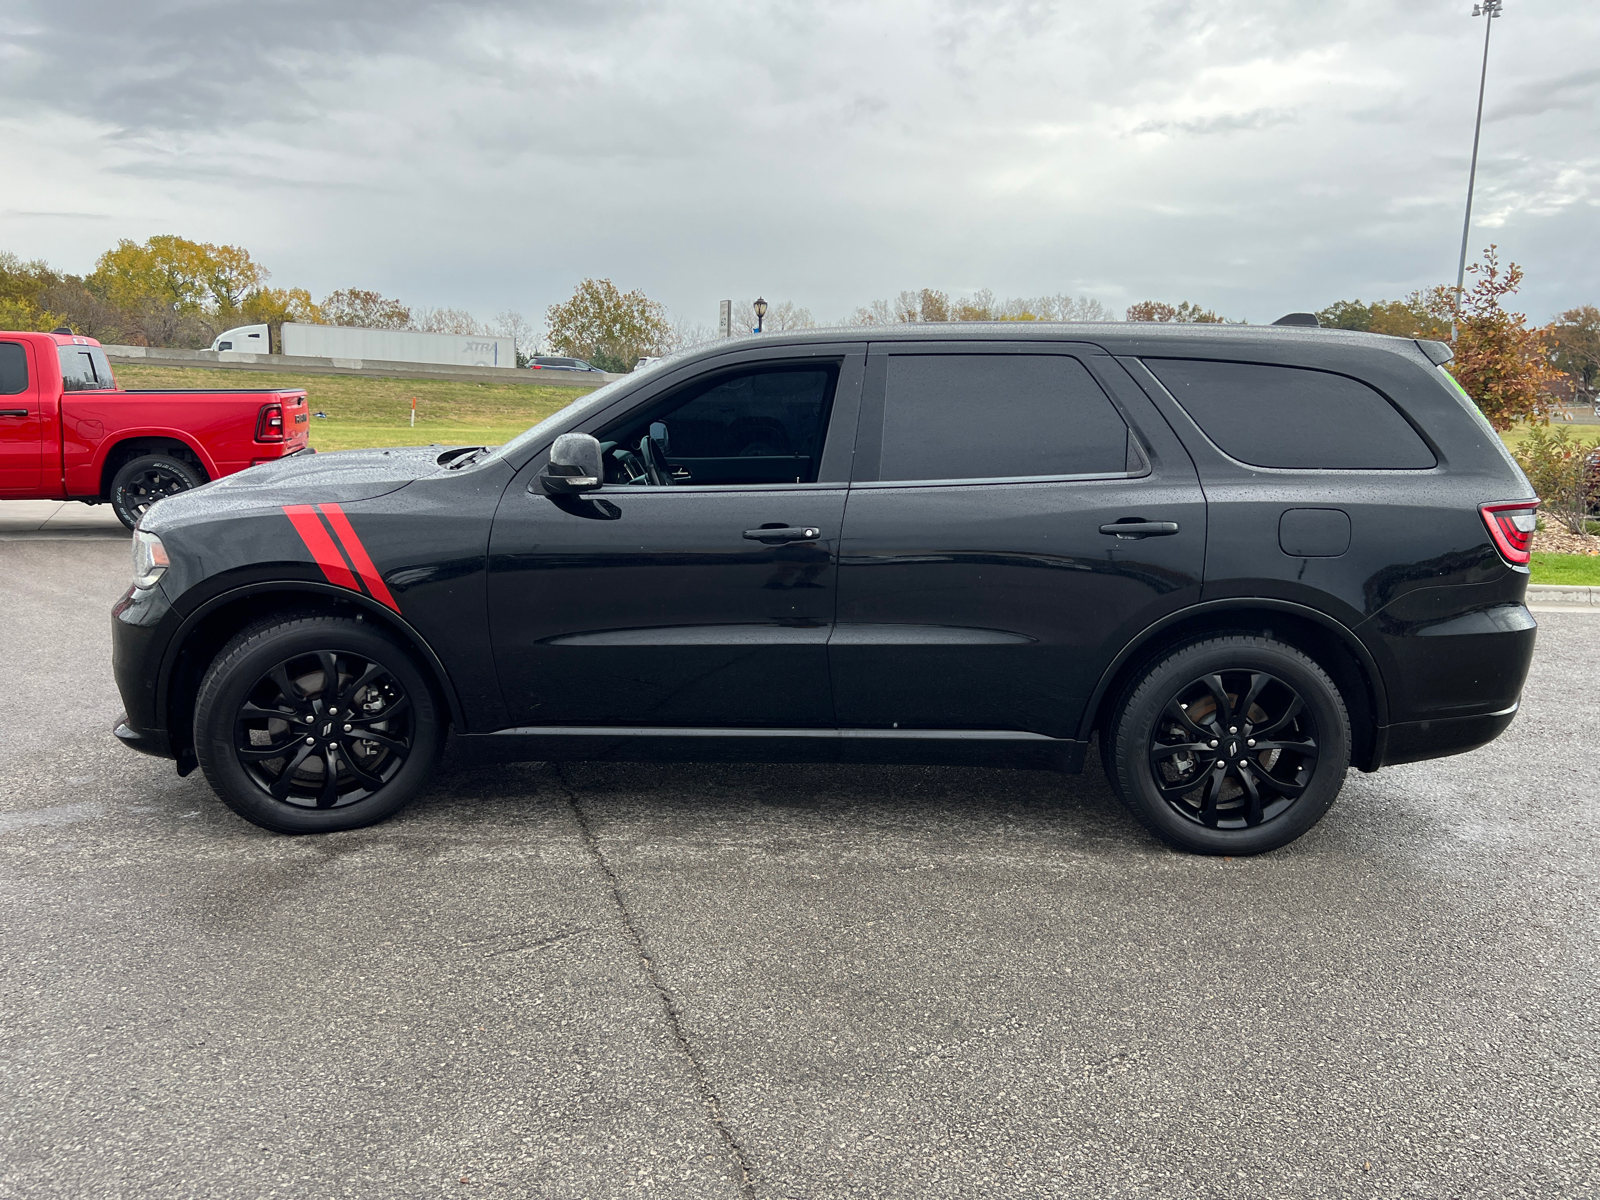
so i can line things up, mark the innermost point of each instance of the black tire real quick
(1166, 746)
(256, 698)
(142, 481)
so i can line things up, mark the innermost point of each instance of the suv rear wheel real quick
(315, 724)
(1233, 745)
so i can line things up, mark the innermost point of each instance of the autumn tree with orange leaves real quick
(1502, 363)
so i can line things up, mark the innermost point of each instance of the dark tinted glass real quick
(760, 426)
(1272, 416)
(84, 369)
(13, 368)
(997, 416)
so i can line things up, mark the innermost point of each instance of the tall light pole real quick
(1488, 10)
(761, 312)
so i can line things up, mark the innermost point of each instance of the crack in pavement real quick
(708, 1097)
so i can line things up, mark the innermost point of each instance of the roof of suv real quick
(1121, 337)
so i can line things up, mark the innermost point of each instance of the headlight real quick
(149, 559)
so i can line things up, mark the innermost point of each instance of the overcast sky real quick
(1256, 157)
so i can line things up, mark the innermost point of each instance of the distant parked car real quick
(646, 361)
(547, 363)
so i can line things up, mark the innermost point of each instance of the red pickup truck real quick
(67, 432)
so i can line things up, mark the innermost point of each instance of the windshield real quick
(566, 417)
(546, 429)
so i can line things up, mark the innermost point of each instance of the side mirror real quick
(575, 465)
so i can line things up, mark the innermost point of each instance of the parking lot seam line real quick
(708, 1097)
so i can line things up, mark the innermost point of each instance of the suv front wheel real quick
(1233, 745)
(314, 724)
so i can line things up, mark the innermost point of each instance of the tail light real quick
(1511, 524)
(269, 426)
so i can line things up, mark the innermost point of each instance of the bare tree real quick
(782, 316)
(369, 310)
(446, 320)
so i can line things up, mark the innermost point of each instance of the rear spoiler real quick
(1438, 353)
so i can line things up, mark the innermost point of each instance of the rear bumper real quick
(1414, 741)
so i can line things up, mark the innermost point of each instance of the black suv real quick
(1244, 559)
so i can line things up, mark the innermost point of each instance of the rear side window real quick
(1271, 416)
(84, 369)
(997, 416)
(13, 369)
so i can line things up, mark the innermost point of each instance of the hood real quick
(344, 477)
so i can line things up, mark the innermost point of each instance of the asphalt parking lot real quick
(779, 981)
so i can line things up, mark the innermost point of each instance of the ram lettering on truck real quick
(68, 432)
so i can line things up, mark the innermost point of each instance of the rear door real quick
(21, 421)
(697, 588)
(1019, 511)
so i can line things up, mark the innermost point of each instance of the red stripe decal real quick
(359, 558)
(326, 554)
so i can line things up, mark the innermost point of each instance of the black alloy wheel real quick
(316, 723)
(140, 483)
(1233, 745)
(1233, 749)
(324, 730)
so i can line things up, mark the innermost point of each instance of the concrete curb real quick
(238, 360)
(1545, 595)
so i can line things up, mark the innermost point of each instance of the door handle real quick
(1140, 529)
(775, 535)
(13, 412)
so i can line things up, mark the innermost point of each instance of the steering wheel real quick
(652, 455)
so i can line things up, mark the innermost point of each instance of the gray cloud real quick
(1261, 118)
(490, 155)
(1565, 93)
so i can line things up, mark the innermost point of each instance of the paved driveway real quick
(713, 981)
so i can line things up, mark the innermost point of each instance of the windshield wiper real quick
(460, 456)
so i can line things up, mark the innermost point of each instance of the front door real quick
(696, 589)
(21, 422)
(983, 581)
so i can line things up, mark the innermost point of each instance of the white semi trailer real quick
(378, 345)
(398, 345)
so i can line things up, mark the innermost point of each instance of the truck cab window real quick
(763, 425)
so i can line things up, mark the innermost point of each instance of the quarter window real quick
(13, 369)
(997, 416)
(84, 369)
(1294, 417)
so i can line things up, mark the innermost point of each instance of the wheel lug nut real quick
(309, 718)
(1233, 729)
(332, 710)
(1249, 741)
(1213, 743)
(347, 728)
(311, 741)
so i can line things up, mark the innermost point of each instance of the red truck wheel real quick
(142, 482)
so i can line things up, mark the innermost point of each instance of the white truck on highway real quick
(350, 342)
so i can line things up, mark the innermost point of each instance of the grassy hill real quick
(366, 412)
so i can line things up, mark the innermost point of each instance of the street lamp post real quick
(761, 311)
(1489, 10)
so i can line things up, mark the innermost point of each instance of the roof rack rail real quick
(1309, 319)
